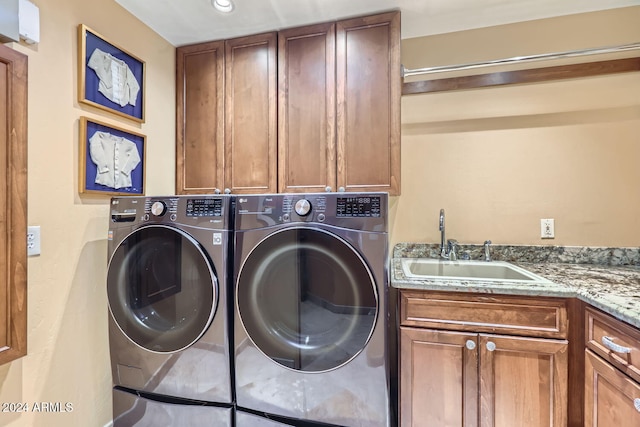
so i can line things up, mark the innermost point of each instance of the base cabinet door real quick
(462, 379)
(438, 378)
(611, 398)
(523, 381)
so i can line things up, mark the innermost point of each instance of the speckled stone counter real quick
(606, 278)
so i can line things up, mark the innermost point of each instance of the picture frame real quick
(109, 77)
(111, 159)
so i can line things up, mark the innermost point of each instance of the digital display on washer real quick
(204, 207)
(358, 207)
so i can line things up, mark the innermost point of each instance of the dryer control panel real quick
(361, 206)
(362, 211)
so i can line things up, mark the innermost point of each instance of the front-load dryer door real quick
(307, 299)
(161, 288)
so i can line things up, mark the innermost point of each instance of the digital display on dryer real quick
(358, 207)
(204, 207)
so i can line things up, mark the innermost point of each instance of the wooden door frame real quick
(13, 214)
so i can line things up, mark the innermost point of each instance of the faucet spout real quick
(443, 248)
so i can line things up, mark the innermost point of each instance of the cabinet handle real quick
(471, 344)
(608, 342)
(491, 346)
(636, 404)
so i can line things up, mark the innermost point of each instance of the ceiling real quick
(190, 21)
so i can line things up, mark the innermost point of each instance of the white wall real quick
(68, 352)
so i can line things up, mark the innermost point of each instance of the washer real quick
(311, 282)
(169, 326)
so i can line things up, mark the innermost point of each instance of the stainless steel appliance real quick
(169, 329)
(311, 314)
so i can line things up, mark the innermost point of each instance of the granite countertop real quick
(606, 278)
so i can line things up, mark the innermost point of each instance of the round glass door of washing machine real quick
(161, 288)
(307, 299)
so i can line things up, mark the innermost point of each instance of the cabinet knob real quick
(216, 191)
(608, 342)
(227, 191)
(471, 344)
(341, 190)
(636, 404)
(327, 189)
(491, 346)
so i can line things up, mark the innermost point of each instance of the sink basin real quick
(425, 268)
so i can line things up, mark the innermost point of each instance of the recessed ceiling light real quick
(224, 6)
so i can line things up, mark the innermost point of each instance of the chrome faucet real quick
(487, 251)
(443, 250)
(450, 251)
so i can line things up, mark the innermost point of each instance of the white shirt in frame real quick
(115, 157)
(117, 81)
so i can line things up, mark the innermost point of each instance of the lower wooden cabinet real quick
(438, 378)
(612, 372)
(482, 360)
(611, 398)
(462, 379)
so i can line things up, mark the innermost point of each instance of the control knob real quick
(158, 208)
(303, 207)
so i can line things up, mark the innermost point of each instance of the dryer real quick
(168, 294)
(311, 313)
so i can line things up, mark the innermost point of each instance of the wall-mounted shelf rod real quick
(519, 59)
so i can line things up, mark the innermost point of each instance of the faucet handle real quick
(487, 251)
(452, 245)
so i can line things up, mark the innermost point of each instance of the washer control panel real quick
(204, 207)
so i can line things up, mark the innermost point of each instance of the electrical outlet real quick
(33, 240)
(547, 228)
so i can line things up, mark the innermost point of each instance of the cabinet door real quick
(611, 398)
(368, 103)
(306, 109)
(523, 381)
(438, 378)
(250, 114)
(200, 118)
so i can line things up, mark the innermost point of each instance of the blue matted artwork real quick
(112, 159)
(110, 77)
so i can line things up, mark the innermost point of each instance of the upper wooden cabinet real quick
(337, 121)
(368, 103)
(226, 116)
(250, 114)
(200, 118)
(306, 109)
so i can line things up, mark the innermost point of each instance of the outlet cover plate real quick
(547, 228)
(33, 240)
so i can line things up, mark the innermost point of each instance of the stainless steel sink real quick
(426, 268)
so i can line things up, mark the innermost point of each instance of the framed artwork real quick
(109, 77)
(112, 160)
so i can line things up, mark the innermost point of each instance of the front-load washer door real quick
(307, 299)
(162, 289)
